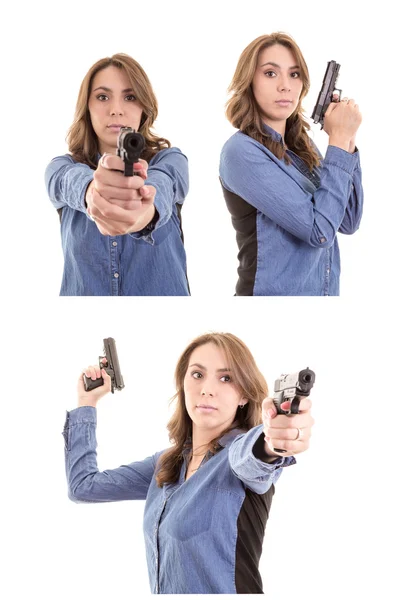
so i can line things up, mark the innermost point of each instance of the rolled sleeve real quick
(67, 181)
(255, 474)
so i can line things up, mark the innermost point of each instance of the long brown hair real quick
(249, 381)
(81, 138)
(244, 113)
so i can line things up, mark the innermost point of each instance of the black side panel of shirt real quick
(251, 524)
(244, 220)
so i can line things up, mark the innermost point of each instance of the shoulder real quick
(168, 155)
(241, 146)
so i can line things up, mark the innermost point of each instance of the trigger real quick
(294, 408)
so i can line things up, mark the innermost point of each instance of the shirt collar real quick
(274, 134)
(223, 441)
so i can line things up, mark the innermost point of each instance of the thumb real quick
(331, 108)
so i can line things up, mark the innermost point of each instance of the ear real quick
(243, 402)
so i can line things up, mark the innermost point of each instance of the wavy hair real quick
(81, 138)
(243, 111)
(249, 381)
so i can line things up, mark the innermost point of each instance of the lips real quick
(283, 101)
(208, 406)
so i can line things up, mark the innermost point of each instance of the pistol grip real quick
(91, 384)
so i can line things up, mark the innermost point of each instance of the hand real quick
(91, 398)
(287, 432)
(116, 203)
(341, 122)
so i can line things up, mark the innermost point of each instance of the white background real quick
(334, 525)
(190, 51)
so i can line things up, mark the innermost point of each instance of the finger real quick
(351, 102)
(113, 162)
(148, 192)
(290, 421)
(293, 433)
(144, 164)
(335, 97)
(331, 108)
(116, 179)
(268, 409)
(104, 210)
(90, 372)
(291, 446)
(119, 194)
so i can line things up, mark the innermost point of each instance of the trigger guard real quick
(294, 407)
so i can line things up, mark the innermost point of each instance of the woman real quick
(208, 496)
(286, 202)
(121, 236)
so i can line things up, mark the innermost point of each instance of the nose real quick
(284, 83)
(116, 108)
(206, 391)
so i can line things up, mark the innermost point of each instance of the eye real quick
(197, 375)
(226, 378)
(130, 98)
(102, 97)
(270, 73)
(295, 75)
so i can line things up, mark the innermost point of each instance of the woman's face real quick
(112, 105)
(211, 396)
(277, 85)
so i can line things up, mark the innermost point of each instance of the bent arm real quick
(168, 173)
(85, 482)
(251, 171)
(354, 209)
(250, 465)
(67, 182)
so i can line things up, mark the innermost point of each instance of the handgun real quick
(292, 388)
(131, 144)
(326, 94)
(112, 368)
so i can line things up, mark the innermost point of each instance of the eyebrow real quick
(106, 89)
(278, 66)
(205, 369)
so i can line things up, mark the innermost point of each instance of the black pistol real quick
(112, 368)
(292, 388)
(326, 94)
(130, 146)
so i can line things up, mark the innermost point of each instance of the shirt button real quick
(114, 243)
(116, 275)
(328, 271)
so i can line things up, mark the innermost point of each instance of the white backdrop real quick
(334, 516)
(334, 526)
(190, 51)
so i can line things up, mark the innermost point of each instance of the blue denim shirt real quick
(146, 263)
(298, 213)
(190, 527)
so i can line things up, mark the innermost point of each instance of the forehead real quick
(111, 77)
(210, 356)
(278, 54)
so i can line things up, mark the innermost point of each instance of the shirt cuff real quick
(340, 158)
(82, 414)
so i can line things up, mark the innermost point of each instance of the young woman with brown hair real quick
(208, 496)
(287, 203)
(121, 236)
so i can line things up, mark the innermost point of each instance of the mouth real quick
(283, 102)
(207, 407)
(115, 126)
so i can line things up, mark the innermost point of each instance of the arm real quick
(67, 182)
(168, 174)
(258, 474)
(354, 209)
(251, 171)
(85, 482)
